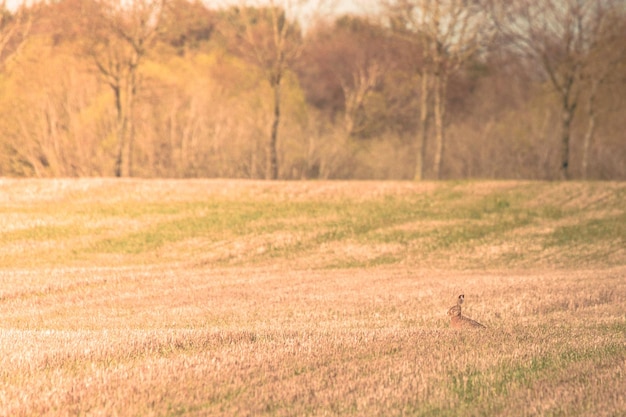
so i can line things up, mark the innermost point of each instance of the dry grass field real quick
(214, 297)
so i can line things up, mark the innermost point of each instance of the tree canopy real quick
(175, 88)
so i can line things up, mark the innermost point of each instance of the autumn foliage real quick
(178, 88)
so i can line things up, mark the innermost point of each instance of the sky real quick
(340, 6)
(305, 16)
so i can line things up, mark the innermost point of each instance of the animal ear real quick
(461, 299)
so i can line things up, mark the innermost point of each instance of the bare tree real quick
(602, 61)
(449, 32)
(356, 89)
(269, 34)
(121, 34)
(560, 36)
(357, 70)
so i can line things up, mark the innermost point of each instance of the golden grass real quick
(156, 333)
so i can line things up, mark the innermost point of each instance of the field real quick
(215, 297)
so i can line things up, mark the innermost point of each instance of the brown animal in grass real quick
(458, 321)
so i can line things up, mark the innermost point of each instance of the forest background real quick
(418, 89)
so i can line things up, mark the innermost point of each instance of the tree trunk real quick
(568, 114)
(125, 133)
(118, 160)
(119, 157)
(130, 125)
(423, 130)
(123, 154)
(439, 113)
(129, 148)
(272, 155)
(591, 127)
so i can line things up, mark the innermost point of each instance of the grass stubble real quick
(171, 298)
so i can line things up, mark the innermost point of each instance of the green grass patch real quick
(438, 223)
(215, 221)
(484, 392)
(44, 233)
(611, 229)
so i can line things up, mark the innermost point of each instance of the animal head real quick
(454, 311)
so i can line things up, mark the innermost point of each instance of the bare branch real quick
(561, 36)
(14, 30)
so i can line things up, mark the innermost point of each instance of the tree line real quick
(420, 89)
